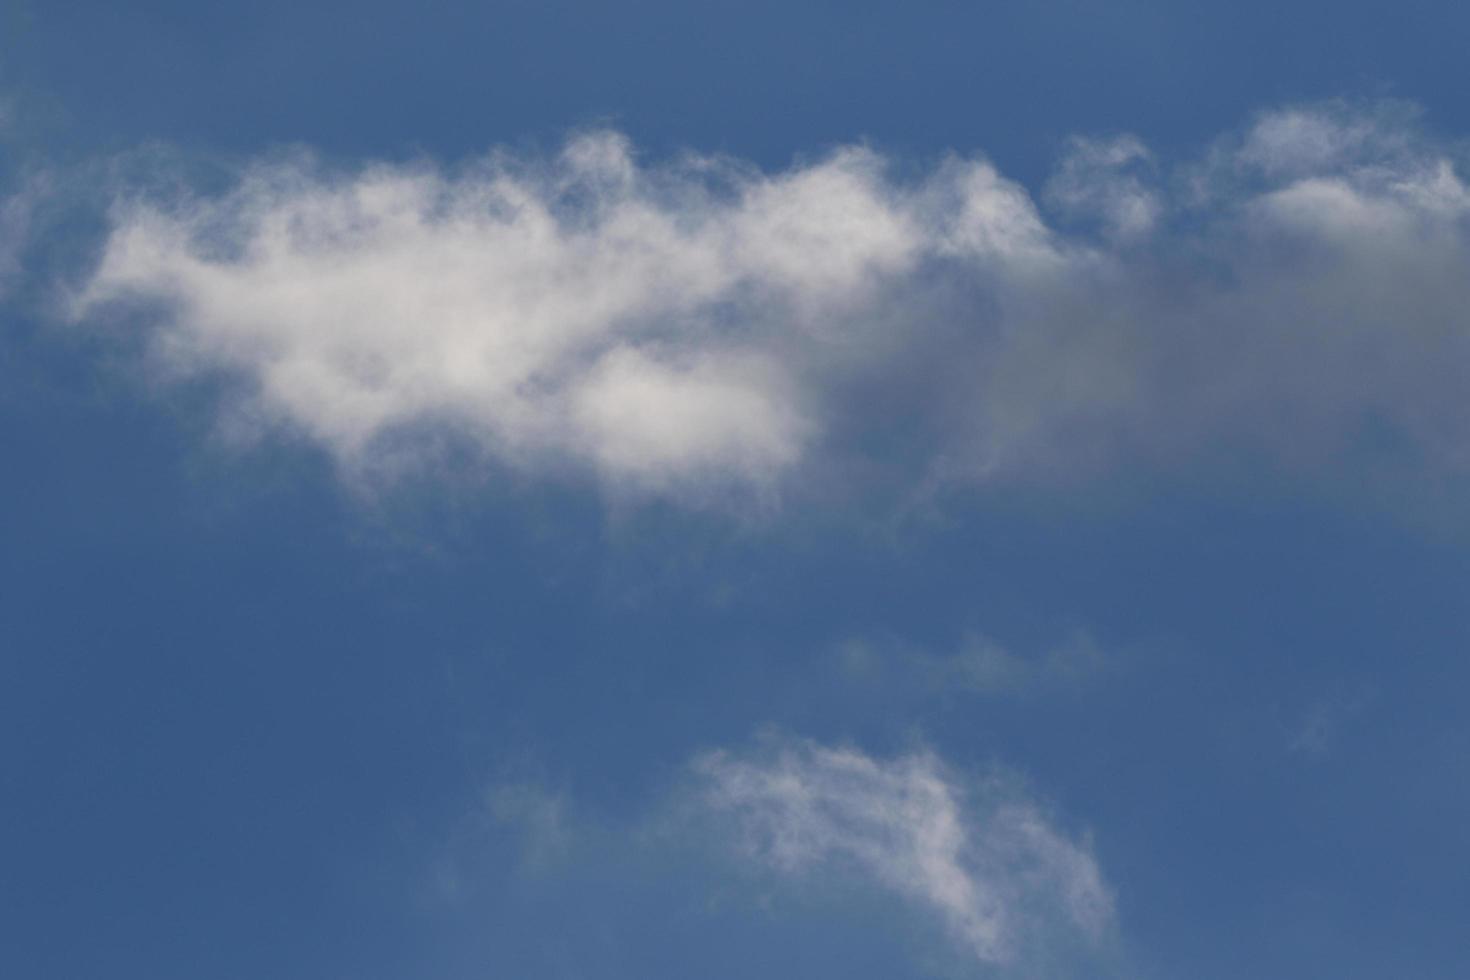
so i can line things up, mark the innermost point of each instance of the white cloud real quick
(583, 307)
(698, 324)
(983, 858)
(664, 325)
(641, 418)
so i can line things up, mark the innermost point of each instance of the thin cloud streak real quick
(983, 859)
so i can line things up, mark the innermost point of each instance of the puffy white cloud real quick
(584, 307)
(665, 325)
(983, 858)
(697, 323)
(641, 418)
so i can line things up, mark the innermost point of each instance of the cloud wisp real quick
(978, 665)
(983, 859)
(696, 325)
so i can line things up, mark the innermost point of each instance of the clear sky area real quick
(542, 490)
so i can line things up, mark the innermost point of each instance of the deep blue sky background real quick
(758, 79)
(244, 715)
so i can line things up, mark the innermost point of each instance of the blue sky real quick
(663, 490)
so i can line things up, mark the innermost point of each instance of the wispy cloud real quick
(18, 206)
(696, 325)
(539, 813)
(979, 664)
(522, 822)
(981, 857)
(1317, 730)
